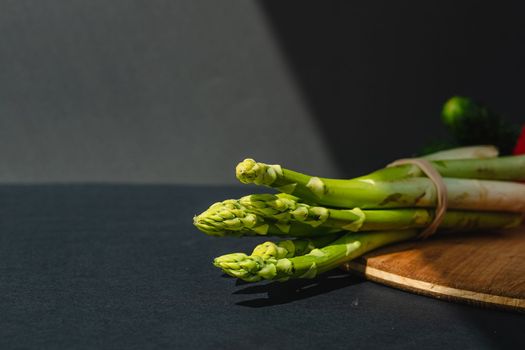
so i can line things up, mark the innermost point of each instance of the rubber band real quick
(441, 191)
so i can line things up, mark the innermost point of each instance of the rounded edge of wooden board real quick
(434, 290)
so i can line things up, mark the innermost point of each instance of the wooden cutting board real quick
(484, 268)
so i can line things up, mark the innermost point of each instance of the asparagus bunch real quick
(337, 220)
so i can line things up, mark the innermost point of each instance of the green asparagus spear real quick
(510, 168)
(467, 152)
(268, 206)
(350, 246)
(236, 264)
(285, 215)
(387, 189)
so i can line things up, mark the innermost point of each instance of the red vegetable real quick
(520, 145)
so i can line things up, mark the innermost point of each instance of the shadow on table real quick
(284, 293)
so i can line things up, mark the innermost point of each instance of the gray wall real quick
(180, 91)
(148, 91)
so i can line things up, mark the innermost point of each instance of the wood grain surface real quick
(483, 268)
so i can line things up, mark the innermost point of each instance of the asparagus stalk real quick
(388, 189)
(269, 206)
(238, 264)
(350, 246)
(468, 152)
(285, 215)
(510, 168)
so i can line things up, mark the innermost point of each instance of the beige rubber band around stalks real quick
(441, 191)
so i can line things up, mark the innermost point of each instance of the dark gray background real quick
(180, 91)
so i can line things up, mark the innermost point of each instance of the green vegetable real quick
(336, 220)
(237, 264)
(287, 214)
(252, 268)
(472, 123)
(466, 152)
(396, 187)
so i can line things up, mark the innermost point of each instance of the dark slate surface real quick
(100, 266)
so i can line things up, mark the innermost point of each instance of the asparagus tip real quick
(248, 268)
(249, 171)
(228, 218)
